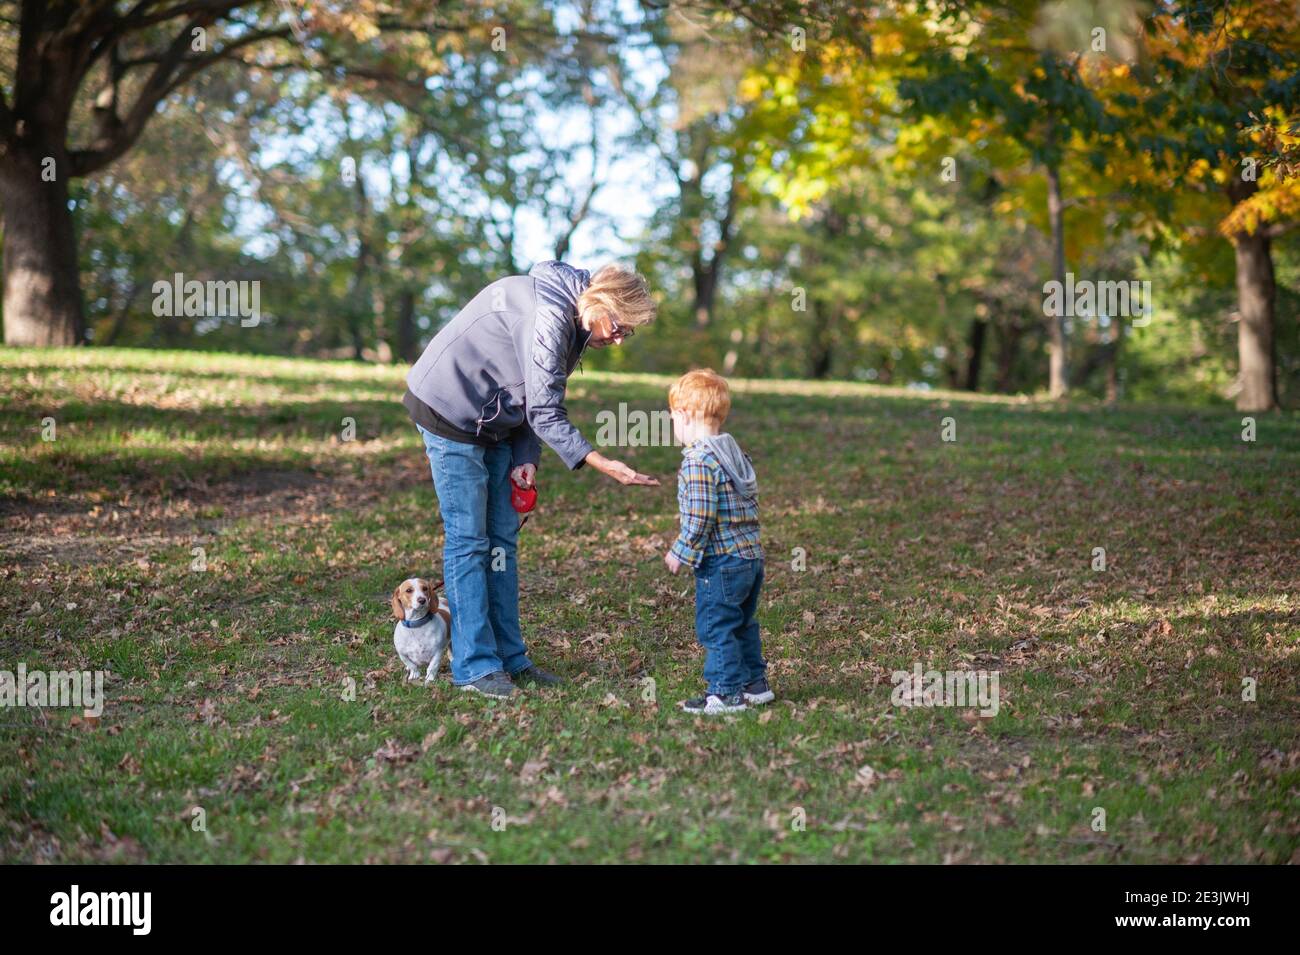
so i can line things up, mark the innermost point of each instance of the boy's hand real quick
(673, 563)
(523, 475)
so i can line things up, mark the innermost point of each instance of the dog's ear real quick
(399, 612)
(430, 586)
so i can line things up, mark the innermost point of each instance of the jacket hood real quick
(734, 461)
(561, 277)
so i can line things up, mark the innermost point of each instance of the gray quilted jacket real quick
(501, 365)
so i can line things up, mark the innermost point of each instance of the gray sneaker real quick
(536, 676)
(758, 692)
(497, 685)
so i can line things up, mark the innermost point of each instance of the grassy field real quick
(1120, 690)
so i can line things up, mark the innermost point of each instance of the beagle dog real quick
(423, 631)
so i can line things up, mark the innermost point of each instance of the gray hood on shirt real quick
(733, 460)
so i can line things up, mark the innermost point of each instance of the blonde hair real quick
(702, 393)
(621, 293)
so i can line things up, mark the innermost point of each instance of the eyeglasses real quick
(618, 331)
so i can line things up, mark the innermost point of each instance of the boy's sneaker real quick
(712, 703)
(497, 685)
(758, 693)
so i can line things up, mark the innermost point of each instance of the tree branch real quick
(138, 19)
(173, 70)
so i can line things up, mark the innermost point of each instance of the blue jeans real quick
(726, 600)
(479, 567)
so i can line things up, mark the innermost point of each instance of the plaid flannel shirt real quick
(716, 518)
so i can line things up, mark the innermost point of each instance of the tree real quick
(59, 45)
(937, 78)
(690, 120)
(137, 56)
(1033, 94)
(1211, 103)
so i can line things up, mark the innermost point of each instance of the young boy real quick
(717, 494)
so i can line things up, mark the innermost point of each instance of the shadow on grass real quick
(100, 445)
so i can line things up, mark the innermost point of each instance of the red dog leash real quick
(523, 499)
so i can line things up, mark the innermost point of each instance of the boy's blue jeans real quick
(726, 600)
(479, 568)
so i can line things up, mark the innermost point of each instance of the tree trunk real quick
(1112, 366)
(1256, 295)
(886, 370)
(975, 354)
(822, 343)
(707, 276)
(1009, 334)
(42, 287)
(123, 313)
(1058, 380)
(407, 343)
(359, 301)
(702, 279)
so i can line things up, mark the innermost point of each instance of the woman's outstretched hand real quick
(619, 471)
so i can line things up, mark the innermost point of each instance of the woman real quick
(486, 392)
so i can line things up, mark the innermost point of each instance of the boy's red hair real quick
(702, 393)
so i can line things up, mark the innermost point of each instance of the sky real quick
(634, 183)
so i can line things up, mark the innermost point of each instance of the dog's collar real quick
(419, 623)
